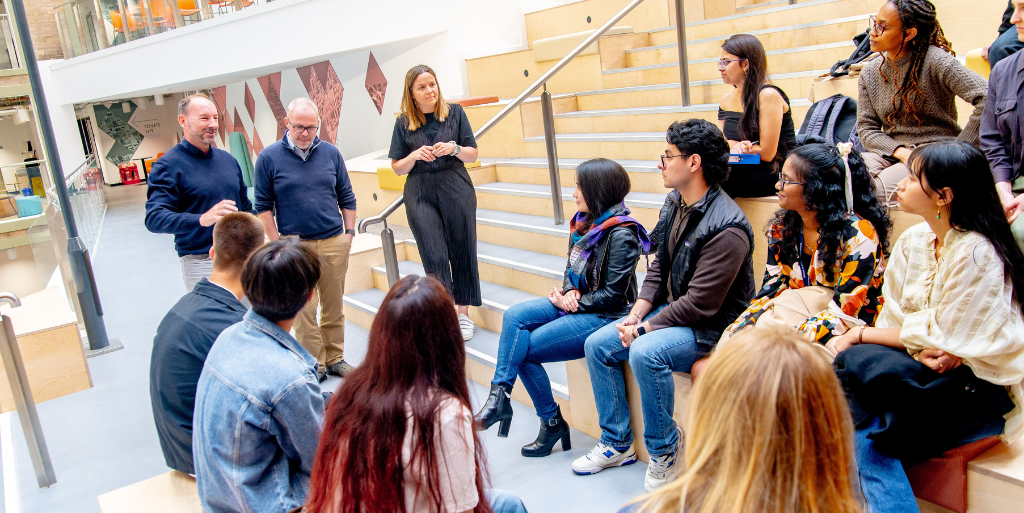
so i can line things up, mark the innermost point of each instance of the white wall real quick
(287, 33)
(12, 145)
(159, 141)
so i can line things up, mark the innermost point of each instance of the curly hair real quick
(909, 98)
(820, 168)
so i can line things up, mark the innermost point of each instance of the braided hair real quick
(919, 14)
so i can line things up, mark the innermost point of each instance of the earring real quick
(938, 214)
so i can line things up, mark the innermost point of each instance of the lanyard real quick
(800, 261)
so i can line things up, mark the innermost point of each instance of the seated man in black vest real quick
(187, 332)
(699, 281)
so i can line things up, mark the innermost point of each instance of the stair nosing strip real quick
(664, 109)
(798, 26)
(490, 304)
(565, 197)
(693, 83)
(365, 308)
(541, 165)
(497, 223)
(518, 266)
(738, 16)
(781, 51)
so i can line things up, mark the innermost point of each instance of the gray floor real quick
(103, 438)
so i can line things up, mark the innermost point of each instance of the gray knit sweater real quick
(942, 78)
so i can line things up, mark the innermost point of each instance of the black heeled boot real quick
(550, 432)
(497, 408)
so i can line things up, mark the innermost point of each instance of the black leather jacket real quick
(616, 288)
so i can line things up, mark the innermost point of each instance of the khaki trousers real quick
(194, 268)
(886, 174)
(326, 340)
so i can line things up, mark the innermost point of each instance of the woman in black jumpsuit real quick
(431, 143)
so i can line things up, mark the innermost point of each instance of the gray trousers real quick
(195, 268)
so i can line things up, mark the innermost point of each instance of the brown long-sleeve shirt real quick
(717, 266)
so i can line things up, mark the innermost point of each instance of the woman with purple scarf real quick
(600, 286)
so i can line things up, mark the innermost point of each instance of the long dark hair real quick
(975, 206)
(821, 170)
(415, 361)
(746, 46)
(919, 14)
(603, 183)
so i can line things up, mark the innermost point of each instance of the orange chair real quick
(188, 7)
(118, 22)
(161, 13)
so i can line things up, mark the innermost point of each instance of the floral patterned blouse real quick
(857, 281)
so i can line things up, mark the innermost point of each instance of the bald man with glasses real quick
(303, 189)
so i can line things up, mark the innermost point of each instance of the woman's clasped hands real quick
(569, 302)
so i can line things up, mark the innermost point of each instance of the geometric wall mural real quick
(257, 144)
(240, 128)
(326, 91)
(114, 122)
(250, 103)
(220, 99)
(376, 84)
(271, 85)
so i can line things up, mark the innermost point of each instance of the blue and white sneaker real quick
(602, 457)
(660, 470)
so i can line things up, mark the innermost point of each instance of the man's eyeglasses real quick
(785, 182)
(309, 129)
(723, 63)
(878, 28)
(670, 157)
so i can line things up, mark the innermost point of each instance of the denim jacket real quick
(257, 420)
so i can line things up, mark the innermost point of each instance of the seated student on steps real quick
(817, 240)
(700, 280)
(943, 365)
(599, 287)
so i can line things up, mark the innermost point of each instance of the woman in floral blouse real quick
(817, 239)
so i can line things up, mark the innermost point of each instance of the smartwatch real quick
(640, 330)
(457, 148)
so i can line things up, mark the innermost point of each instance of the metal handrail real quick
(74, 175)
(379, 218)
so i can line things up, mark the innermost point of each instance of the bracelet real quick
(860, 334)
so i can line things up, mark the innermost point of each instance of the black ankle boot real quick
(550, 432)
(498, 408)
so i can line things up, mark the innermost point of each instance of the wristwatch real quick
(457, 148)
(640, 330)
(349, 232)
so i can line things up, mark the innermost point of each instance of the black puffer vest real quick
(718, 213)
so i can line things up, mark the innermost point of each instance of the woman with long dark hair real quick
(432, 143)
(755, 117)
(943, 365)
(599, 286)
(907, 98)
(818, 239)
(398, 434)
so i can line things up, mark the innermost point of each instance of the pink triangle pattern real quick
(326, 91)
(220, 100)
(376, 84)
(271, 85)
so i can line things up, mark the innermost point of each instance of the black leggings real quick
(750, 181)
(441, 207)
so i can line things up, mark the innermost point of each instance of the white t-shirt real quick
(453, 445)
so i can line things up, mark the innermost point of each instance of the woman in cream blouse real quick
(943, 365)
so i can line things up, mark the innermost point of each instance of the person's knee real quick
(505, 502)
(600, 344)
(643, 356)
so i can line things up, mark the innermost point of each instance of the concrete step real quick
(483, 347)
(644, 119)
(532, 232)
(791, 60)
(527, 270)
(644, 175)
(536, 200)
(669, 53)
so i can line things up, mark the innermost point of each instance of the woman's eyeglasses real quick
(723, 63)
(785, 182)
(876, 27)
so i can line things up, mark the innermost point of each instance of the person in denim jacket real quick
(258, 405)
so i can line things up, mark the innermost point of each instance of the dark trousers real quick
(750, 181)
(1004, 46)
(441, 208)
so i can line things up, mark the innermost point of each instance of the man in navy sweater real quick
(192, 186)
(304, 182)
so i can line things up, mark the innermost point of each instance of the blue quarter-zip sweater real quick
(184, 184)
(306, 188)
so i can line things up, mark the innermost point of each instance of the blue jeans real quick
(532, 333)
(504, 502)
(653, 358)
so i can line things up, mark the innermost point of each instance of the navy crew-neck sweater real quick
(184, 184)
(307, 193)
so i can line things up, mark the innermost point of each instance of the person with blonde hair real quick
(432, 143)
(768, 430)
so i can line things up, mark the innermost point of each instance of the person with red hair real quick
(398, 434)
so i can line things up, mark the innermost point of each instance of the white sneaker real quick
(660, 470)
(602, 457)
(467, 326)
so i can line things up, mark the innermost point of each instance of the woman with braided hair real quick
(907, 98)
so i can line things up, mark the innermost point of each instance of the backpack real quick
(834, 119)
(863, 51)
